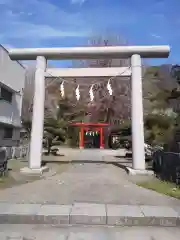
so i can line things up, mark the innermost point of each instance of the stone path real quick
(88, 182)
(32, 232)
(88, 153)
(92, 155)
(90, 214)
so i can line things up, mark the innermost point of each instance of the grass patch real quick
(159, 186)
(17, 164)
(13, 177)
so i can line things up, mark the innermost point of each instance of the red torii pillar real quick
(81, 142)
(101, 138)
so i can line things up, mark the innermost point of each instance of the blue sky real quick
(65, 23)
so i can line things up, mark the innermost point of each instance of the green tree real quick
(159, 128)
(57, 129)
(54, 130)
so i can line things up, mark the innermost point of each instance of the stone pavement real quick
(89, 154)
(89, 183)
(38, 232)
(90, 214)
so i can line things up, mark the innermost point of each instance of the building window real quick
(8, 132)
(5, 94)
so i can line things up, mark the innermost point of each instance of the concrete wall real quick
(17, 152)
(12, 76)
(12, 73)
(10, 113)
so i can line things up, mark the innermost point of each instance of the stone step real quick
(47, 232)
(89, 214)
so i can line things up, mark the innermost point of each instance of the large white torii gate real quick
(41, 55)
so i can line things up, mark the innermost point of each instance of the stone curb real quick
(89, 214)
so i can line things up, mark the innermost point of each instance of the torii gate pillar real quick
(38, 115)
(137, 123)
(114, 52)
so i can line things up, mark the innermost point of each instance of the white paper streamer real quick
(77, 93)
(109, 88)
(91, 94)
(62, 90)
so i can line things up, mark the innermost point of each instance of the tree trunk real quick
(49, 145)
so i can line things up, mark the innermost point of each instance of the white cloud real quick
(27, 30)
(80, 2)
(155, 35)
(36, 20)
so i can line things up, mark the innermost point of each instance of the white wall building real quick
(12, 77)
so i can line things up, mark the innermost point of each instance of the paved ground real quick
(89, 214)
(77, 153)
(89, 182)
(70, 154)
(30, 232)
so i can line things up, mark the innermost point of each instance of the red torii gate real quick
(85, 127)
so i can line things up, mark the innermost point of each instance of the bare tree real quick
(51, 91)
(109, 108)
(107, 40)
(27, 103)
(28, 94)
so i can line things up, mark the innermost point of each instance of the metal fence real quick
(17, 152)
(166, 166)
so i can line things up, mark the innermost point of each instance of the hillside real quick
(157, 81)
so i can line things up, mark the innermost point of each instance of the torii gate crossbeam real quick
(41, 55)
